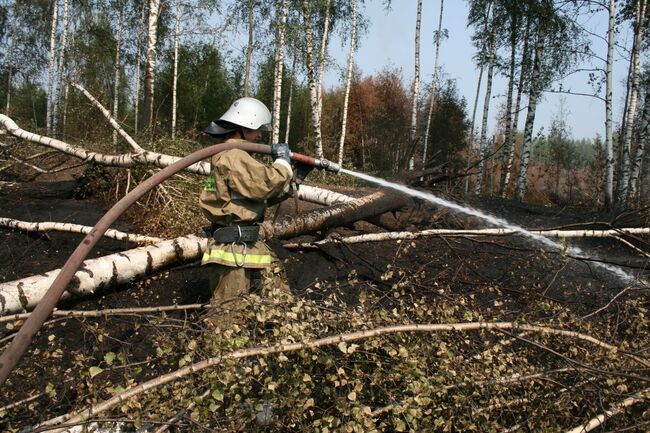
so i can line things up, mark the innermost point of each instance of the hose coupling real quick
(327, 165)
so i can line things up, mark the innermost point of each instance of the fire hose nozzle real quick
(327, 165)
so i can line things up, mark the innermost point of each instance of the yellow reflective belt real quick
(227, 256)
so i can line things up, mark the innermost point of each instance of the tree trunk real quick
(609, 140)
(434, 84)
(515, 120)
(116, 72)
(10, 65)
(507, 136)
(483, 141)
(249, 47)
(127, 266)
(631, 109)
(50, 82)
(177, 36)
(416, 78)
(56, 114)
(348, 80)
(530, 119)
(290, 102)
(311, 78)
(323, 56)
(138, 62)
(279, 69)
(640, 150)
(150, 69)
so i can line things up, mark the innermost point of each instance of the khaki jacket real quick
(239, 190)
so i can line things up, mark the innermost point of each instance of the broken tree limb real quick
(390, 236)
(619, 408)
(47, 226)
(342, 214)
(107, 114)
(73, 418)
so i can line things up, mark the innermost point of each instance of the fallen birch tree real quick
(391, 236)
(127, 266)
(48, 226)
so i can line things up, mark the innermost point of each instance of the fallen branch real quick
(47, 226)
(109, 312)
(327, 341)
(619, 408)
(390, 236)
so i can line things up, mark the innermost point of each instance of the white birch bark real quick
(348, 81)
(515, 119)
(416, 76)
(61, 64)
(287, 128)
(116, 71)
(177, 36)
(150, 70)
(311, 78)
(52, 67)
(249, 47)
(530, 120)
(118, 268)
(51, 226)
(434, 85)
(507, 136)
(637, 161)
(483, 141)
(138, 63)
(631, 109)
(279, 69)
(323, 56)
(609, 138)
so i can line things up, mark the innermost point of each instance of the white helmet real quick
(248, 113)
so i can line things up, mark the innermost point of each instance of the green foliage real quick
(205, 89)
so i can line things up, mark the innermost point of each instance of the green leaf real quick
(94, 371)
(109, 357)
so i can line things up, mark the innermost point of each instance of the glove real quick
(281, 151)
(302, 170)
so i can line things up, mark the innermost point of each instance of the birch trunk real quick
(530, 119)
(483, 142)
(287, 128)
(416, 77)
(507, 136)
(249, 47)
(127, 266)
(50, 82)
(609, 139)
(279, 69)
(348, 81)
(637, 161)
(61, 64)
(434, 88)
(177, 36)
(311, 78)
(138, 62)
(323, 56)
(150, 69)
(116, 72)
(515, 121)
(631, 109)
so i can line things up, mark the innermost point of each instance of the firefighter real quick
(234, 199)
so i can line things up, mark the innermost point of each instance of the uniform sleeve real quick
(252, 179)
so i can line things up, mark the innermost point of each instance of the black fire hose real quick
(44, 308)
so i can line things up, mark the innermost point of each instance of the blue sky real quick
(390, 40)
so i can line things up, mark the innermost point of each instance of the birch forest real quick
(475, 266)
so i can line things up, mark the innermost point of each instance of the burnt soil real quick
(513, 264)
